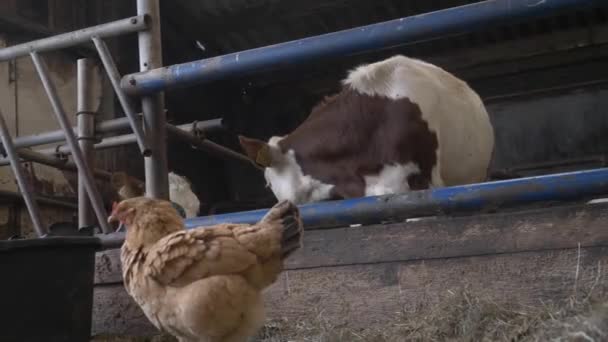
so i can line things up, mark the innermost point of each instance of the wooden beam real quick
(446, 237)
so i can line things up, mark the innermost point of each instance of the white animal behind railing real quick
(180, 191)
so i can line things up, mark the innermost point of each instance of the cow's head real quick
(283, 173)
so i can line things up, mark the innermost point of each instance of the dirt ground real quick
(459, 317)
(462, 318)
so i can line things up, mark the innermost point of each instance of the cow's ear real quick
(257, 150)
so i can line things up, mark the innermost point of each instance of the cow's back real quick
(450, 107)
(397, 125)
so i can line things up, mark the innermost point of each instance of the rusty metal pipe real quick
(208, 146)
(61, 164)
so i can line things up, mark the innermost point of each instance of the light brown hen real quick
(203, 284)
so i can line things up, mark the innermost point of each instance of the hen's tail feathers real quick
(292, 235)
(288, 215)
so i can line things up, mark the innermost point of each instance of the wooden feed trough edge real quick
(362, 276)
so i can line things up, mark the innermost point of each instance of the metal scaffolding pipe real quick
(127, 106)
(85, 118)
(56, 136)
(39, 199)
(61, 164)
(29, 155)
(24, 186)
(110, 142)
(428, 26)
(69, 39)
(128, 139)
(64, 123)
(197, 126)
(209, 146)
(155, 118)
(202, 126)
(108, 126)
(465, 198)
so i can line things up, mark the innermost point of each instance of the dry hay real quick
(459, 317)
(464, 316)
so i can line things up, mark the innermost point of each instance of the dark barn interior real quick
(537, 77)
(526, 72)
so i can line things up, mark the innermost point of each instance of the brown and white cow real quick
(397, 125)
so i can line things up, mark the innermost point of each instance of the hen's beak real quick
(112, 219)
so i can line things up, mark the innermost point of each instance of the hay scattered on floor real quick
(464, 318)
(458, 317)
(461, 317)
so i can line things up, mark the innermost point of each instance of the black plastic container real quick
(46, 289)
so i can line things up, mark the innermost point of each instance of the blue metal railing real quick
(428, 26)
(474, 197)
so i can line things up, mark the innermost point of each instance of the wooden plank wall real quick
(362, 276)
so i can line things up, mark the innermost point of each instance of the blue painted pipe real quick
(378, 209)
(443, 23)
(371, 210)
